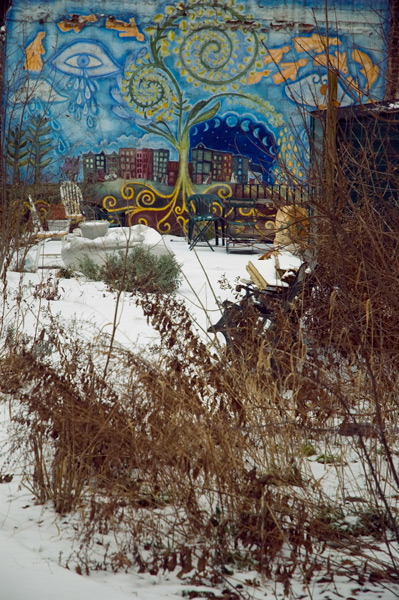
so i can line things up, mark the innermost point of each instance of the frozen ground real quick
(33, 540)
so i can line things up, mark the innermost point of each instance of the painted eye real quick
(83, 61)
(88, 59)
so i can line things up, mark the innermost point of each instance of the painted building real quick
(173, 171)
(202, 163)
(160, 165)
(89, 167)
(127, 163)
(222, 166)
(145, 163)
(100, 79)
(112, 165)
(211, 165)
(100, 165)
(240, 168)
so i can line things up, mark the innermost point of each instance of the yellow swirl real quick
(127, 191)
(145, 198)
(223, 190)
(109, 202)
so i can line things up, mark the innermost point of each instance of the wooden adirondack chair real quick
(38, 229)
(42, 236)
(71, 197)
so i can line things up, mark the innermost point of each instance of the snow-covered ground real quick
(34, 541)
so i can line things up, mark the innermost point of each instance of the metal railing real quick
(275, 192)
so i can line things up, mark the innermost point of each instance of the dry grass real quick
(16, 236)
(195, 461)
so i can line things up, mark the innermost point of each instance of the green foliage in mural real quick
(214, 46)
(40, 145)
(17, 152)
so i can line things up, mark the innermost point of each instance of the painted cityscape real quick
(207, 166)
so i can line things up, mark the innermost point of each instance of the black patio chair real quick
(204, 211)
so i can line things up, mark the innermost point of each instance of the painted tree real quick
(214, 46)
(17, 153)
(40, 145)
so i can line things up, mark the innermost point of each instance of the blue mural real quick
(84, 62)
(239, 135)
(134, 93)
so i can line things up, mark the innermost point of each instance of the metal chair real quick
(204, 211)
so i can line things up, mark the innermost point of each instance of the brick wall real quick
(392, 76)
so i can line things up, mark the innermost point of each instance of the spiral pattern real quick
(223, 190)
(148, 90)
(109, 203)
(145, 198)
(215, 56)
(127, 191)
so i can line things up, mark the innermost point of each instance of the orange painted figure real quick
(275, 55)
(255, 77)
(33, 52)
(126, 29)
(338, 61)
(353, 85)
(316, 42)
(76, 22)
(289, 70)
(369, 70)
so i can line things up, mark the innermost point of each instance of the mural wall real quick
(157, 100)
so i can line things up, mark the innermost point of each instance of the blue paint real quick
(81, 88)
(240, 137)
(85, 59)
